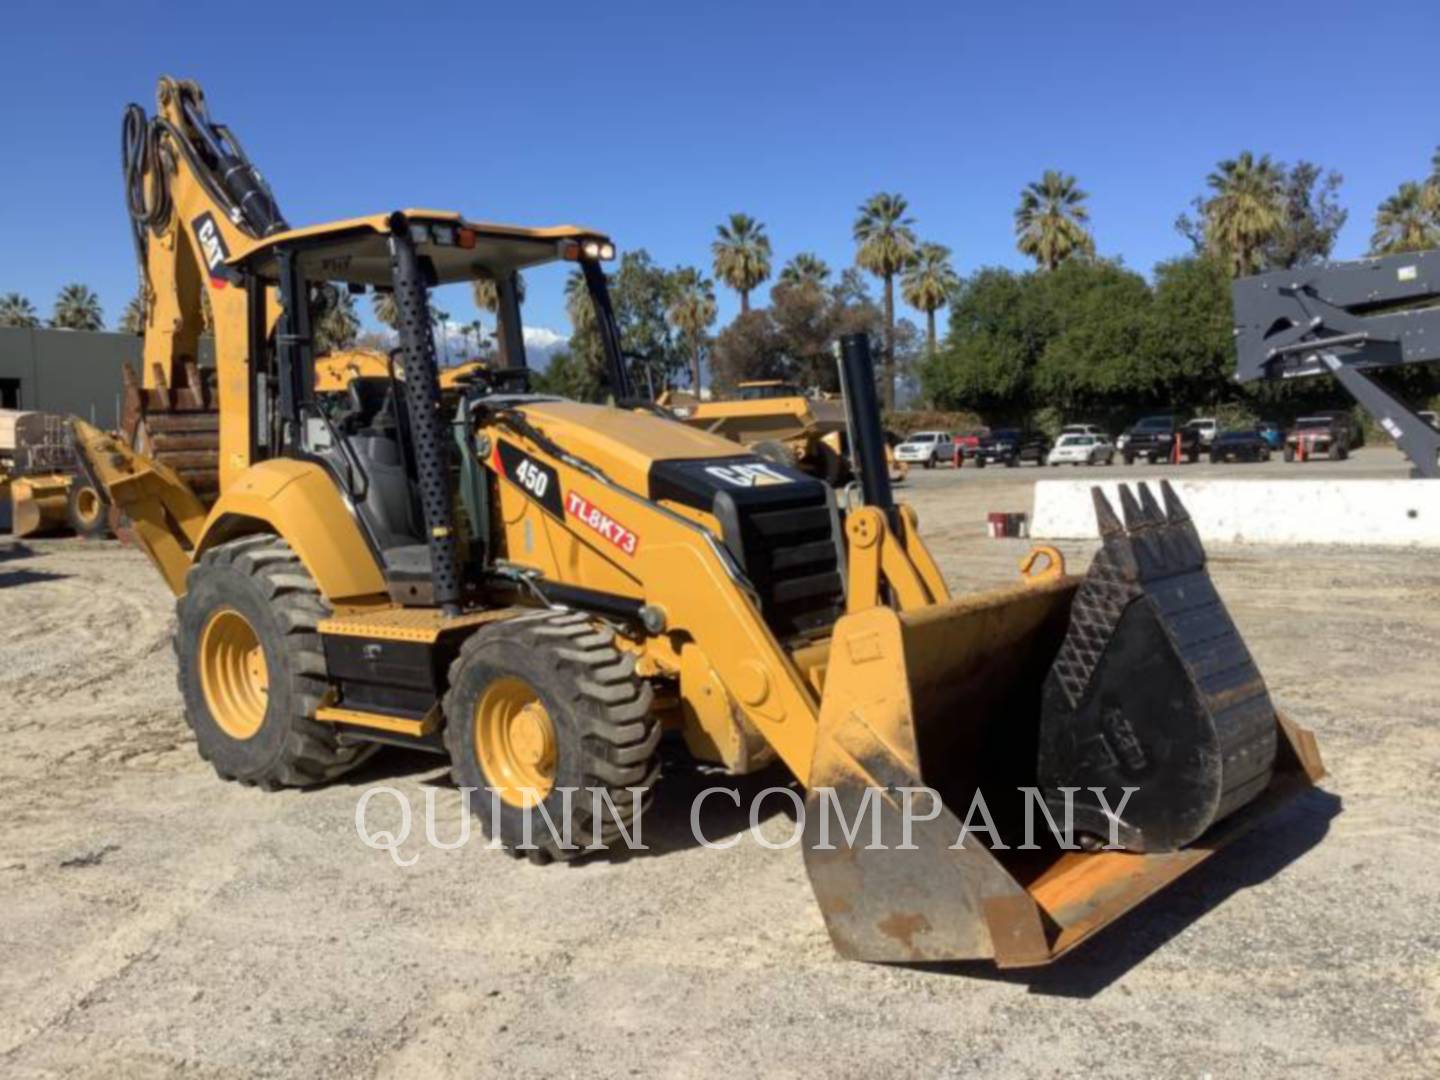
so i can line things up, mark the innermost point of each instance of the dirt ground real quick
(156, 922)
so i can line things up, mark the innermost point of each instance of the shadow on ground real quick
(1251, 860)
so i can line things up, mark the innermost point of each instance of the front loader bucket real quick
(942, 730)
(39, 504)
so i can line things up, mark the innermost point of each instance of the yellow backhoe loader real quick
(539, 588)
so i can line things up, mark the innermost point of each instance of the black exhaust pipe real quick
(862, 410)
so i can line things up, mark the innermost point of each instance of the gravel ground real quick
(156, 922)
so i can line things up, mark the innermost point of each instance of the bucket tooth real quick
(1105, 514)
(1134, 515)
(1152, 509)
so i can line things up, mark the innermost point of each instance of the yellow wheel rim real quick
(233, 673)
(87, 505)
(515, 742)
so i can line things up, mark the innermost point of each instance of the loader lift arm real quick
(1349, 320)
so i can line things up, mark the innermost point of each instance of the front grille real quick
(787, 549)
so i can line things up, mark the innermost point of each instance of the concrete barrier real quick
(1390, 513)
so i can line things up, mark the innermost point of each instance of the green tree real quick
(887, 244)
(691, 313)
(1245, 214)
(749, 348)
(1409, 220)
(927, 286)
(568, 376)
(1192, 332)
(77, 308)
(1313, 217)
(133, 320)
(16, 311)
(997, 332)
(742, 255)
(805, 268)
(1050, 220)
(1096, 348)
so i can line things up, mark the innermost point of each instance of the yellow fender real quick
(298, 501)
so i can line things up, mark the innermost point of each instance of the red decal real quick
(578, 506)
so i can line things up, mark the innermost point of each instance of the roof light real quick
(465, 238)
(591, 248)
(444, 234)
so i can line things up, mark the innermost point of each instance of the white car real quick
(1082, 450)
(929, 448)
(1208, 428)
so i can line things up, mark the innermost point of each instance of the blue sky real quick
(654, 121)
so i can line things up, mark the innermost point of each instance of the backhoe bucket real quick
(952, 737)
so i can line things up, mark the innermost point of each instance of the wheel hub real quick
(234, 676)
(515, 742)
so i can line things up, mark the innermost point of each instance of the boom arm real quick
(195, 200)
(1347, 319)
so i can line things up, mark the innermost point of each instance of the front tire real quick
(252, 671)
(541, 703)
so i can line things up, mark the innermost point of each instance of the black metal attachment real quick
(1153, 688)
(862, 407)
(421, 402)
(1346, 319)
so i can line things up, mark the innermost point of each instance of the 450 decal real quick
(537, 479)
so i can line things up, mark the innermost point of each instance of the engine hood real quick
(622, 443)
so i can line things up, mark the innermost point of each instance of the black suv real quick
(1011, 446)
(1153, 439)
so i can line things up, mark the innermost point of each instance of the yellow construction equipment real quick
(538, 588)
(782, 423)
(38, 484)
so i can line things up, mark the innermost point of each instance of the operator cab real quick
(376, 435)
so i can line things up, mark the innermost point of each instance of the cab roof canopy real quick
(357, 250)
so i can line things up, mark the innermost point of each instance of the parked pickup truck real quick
(1011, 447)
(1153, 439)
(1325, 433)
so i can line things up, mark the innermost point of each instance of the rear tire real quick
(252, 671)
(87, 511)
(601, 732)
(1129, 458)
(979, 462)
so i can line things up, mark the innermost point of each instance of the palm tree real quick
(577, 303)
(742, 255)
(77, 308)
(133, 321)
(887, 246)
(17, 311)
(806, 268)
(386, 312)
(691, 313)
(338, 324)
(1245, 212)
(1050, 220)
(928, 285)
(1409, 220)
(487, 293)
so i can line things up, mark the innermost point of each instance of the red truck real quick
(966, 443)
